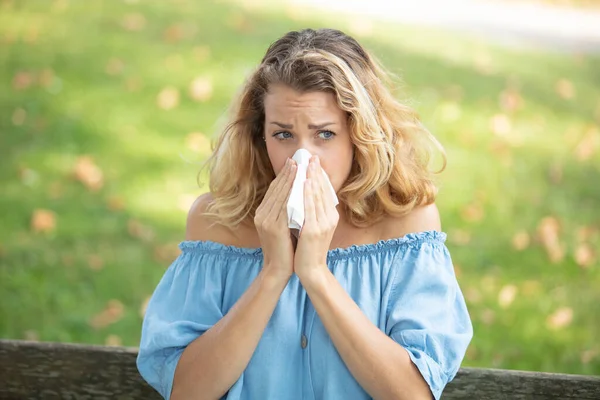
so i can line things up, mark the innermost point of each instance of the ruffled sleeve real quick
(427, 314)
(184, 305)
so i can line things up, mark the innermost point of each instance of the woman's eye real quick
(326, 135)
(282, 135)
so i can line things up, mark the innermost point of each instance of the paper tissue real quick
(295, 205)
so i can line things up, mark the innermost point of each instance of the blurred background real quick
(108, 109)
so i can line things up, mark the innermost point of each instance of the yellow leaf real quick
(201, 53)
(43, 221)
(565, 89)
(134, 22)
(95, 262)
(460, 237)
(473, 212)
(168, 98)
(198, 142)
(201, 89)
(507, 295)
(500, 124)
(521, 240)
(588, 145)
(22, 80)
(140, 231)
(548, 232)
(561, 318)
(112, 313)
(114, 66)
(113, 340)
(88, 173)
(31, 335)
(585, 256)
(511, 100)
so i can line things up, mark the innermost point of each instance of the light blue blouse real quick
(405, 286)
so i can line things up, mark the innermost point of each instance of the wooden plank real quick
(68, 371)
(30, 370)
(494, 384)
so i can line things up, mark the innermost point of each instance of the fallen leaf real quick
(113, 340)
(43, 221)
(88, 173)
(548, 232)
(137, 230)
(19, 116)
(144, 306)
(112, 313)
(500, 124)
(507, 295)
(589, 355)
(116, 203)
(521, 240)
(561, 318)
(531, 288)
(134, 22)
(511, 100)
(22, 80)
(168, 98)
(585, 256)
(95, 262)
(133, 84)
(565, 89)
(31, 336)
(460, 237)
(201, 53)
(166, 253)
(114, 66)
(473, 212)
(586, 233)
(201, 89)
(238, 22)
(588, 145)
(198, 142)
(174, 33)
(487, 316)
(473, 295)
(46, 77)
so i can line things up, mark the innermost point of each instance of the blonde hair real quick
(390, 172)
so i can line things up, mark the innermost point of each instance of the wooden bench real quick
(31, 370)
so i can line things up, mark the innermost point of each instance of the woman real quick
(366, 304)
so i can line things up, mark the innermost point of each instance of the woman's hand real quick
(271, 222)
(320, 220)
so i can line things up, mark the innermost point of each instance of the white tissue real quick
(295, 205)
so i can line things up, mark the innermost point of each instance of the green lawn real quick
(101, 139)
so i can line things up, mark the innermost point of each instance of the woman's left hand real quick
(320, 220)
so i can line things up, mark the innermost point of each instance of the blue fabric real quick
(405, 286)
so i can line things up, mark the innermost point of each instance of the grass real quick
(83, 79)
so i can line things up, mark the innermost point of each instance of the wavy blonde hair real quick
(389, 175)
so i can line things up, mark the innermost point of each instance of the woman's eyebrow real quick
(310, 126)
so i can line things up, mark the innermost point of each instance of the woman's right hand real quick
(271, 222)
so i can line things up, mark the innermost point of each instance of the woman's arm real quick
(211, 364)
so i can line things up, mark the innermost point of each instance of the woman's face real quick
(312, 121)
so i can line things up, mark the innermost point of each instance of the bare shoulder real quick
(420, 219)
(200, 227)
